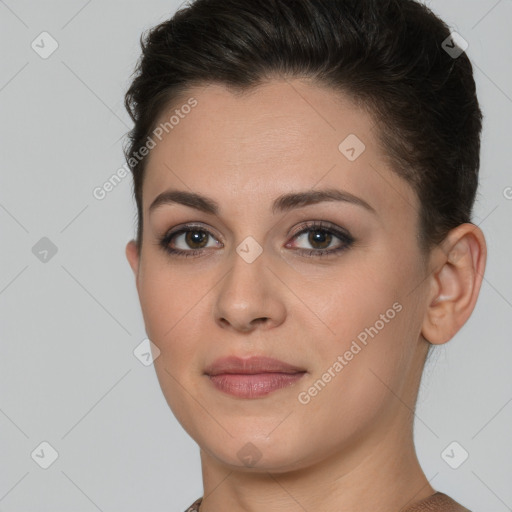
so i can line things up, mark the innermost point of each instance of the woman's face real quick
(345, 304)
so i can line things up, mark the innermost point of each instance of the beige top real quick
(438, 502)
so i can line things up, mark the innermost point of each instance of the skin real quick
(350, 448)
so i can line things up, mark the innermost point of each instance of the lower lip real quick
(253, 385)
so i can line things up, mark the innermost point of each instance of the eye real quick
(192, 239)
(320, 236)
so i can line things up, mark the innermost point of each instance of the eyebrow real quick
(283, 203)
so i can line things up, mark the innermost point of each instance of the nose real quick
(250, 296)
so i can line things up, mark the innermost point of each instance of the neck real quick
(376, 472)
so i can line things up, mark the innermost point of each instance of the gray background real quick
(69, 325)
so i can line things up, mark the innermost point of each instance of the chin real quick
(253, 456)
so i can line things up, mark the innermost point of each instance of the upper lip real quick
(250, 365)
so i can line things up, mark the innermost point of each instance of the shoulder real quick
(195, 506)
(438, 502)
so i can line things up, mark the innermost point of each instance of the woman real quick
(304, 173)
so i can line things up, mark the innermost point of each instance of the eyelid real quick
(184, 228)
(293, 232)
(188, 226)
(346, 239)
(319, 225)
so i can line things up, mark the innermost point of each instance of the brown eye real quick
(196, 239)
(319, 238)
(189, 240)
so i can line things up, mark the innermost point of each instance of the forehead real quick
(281, 136)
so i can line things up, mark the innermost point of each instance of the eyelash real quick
(346, 239)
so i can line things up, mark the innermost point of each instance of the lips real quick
(250, 366)
(253, 377)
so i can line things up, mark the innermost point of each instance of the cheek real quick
(172, 317)
(350, 387)
(168, 303)
(373, 326)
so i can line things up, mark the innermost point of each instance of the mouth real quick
(253, 385)
(254, 377)
(251, 366)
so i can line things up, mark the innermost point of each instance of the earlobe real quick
(132, 255)
(456, 283)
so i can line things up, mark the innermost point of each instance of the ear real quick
(132, 255)
(459, 264)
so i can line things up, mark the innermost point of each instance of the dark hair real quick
(387, 55)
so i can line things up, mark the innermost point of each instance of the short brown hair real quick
(385, 54)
